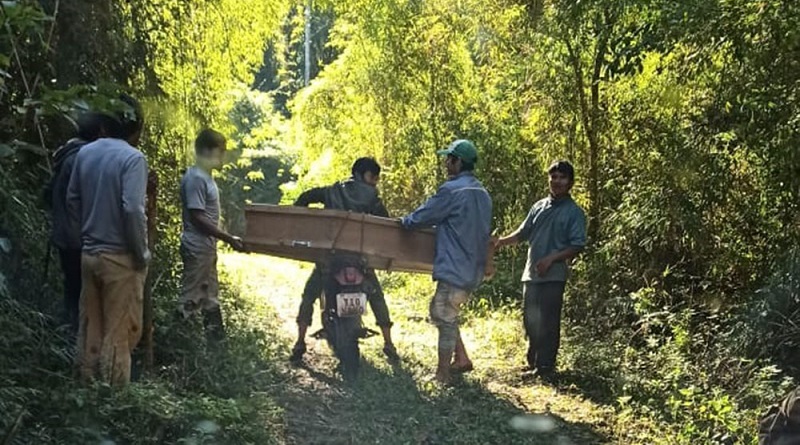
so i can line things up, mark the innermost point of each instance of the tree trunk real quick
(590, 116)
(588, 121)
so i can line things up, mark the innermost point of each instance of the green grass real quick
(195, 395)
(400, 404)
(249, 394)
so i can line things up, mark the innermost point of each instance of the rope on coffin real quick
(348, 218)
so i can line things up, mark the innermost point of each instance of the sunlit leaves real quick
(200, 50)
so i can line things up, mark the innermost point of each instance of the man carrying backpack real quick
(781, 424)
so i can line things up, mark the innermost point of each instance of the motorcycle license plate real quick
(351, 305)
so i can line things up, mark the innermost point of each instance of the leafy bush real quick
(770, 324)
(197, 394)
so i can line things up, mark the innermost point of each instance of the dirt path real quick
(400, 405)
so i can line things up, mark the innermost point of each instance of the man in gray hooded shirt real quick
(357, 194)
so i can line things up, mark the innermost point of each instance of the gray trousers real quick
(542, 318)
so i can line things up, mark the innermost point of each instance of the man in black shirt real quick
(67, 241)
(357, 194)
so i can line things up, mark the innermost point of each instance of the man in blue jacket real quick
(461, 211)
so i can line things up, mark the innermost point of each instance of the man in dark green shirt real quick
(555, 228)
(357, 194)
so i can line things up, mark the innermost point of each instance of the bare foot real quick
(461, 367)
(444, 378)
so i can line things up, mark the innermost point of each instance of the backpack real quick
(781, 424)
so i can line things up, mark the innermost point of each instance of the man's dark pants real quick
(71, 267)
(542, 318)
(316, 283)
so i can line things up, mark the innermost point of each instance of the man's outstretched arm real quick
(201, 220)
(313, 196)
(522, 233)
(433, 212)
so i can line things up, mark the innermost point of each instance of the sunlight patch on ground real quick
(404, 394)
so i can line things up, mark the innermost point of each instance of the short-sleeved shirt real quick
(551, 226)
(198, 192)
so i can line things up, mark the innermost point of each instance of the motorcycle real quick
(343, 303)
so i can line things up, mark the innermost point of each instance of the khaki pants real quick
(200, 282)
(444, 310)
(110, 316)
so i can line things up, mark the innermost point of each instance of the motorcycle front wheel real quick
(345, 347)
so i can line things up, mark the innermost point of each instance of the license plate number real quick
(351, 305)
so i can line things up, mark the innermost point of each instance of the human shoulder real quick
(464, 181)
(540, 204)
(80, 152)
(446, 188)
(196, 176)
(123, 151)
(574, 208)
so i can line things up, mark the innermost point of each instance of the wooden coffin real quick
(306, 234)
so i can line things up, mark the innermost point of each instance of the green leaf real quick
(30, 148)
(6, 151)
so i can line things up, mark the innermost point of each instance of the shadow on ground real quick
(399, 405)
(394, 406)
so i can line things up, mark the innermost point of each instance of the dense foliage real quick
(682, 119)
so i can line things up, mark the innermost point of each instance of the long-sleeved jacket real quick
(461, 211)
(353, 195)
(56, 195)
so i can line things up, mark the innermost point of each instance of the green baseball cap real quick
(462, 149)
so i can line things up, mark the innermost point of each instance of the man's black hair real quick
(208, 139)
(125, 123)
(364, 165)
(89, 126)
(465, 166)
(564, 167)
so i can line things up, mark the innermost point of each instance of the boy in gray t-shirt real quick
(200, 211)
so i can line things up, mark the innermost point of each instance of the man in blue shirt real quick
(555, 228)
(461, 211)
